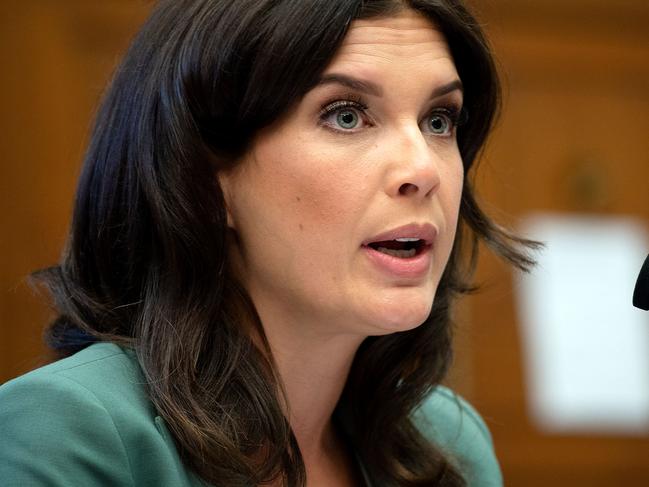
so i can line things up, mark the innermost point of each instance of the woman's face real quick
(369, 150)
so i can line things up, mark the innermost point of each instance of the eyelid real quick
(350, 100)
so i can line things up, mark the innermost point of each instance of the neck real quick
(313, 367)
(313, 373)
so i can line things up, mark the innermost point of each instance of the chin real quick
(402, 313)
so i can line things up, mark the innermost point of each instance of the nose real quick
(414, 166)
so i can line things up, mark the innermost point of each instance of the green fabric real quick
(456, 427)
(86, 421)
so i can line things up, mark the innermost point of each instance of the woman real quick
(269, 231)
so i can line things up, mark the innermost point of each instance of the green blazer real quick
(86, 421)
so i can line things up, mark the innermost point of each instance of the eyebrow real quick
(373, 89)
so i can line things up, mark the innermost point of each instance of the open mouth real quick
(402, 248)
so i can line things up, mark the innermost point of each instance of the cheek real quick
(314, 190)
(450, 199)
(327, 204)
(455, 182)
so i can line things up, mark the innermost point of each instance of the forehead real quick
(407, 35)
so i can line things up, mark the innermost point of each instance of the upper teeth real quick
(406, 239)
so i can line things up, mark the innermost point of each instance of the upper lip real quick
(426, 232)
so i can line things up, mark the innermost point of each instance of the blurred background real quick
(557, 362)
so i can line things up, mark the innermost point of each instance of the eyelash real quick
(337, 104)
(456, 116)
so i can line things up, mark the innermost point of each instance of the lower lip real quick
(409, 267)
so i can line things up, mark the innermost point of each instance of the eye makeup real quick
(451, 111)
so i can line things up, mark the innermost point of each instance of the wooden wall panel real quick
(577, 104)
(576, 77)
(56, 58)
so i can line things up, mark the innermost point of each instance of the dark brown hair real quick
(146, 263)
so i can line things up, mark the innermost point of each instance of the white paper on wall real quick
(586, 347)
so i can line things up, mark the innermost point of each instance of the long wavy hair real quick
(146, 267)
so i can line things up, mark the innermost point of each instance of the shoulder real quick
(84, 420)
(101, 376)
(98, 370)
(455, 426)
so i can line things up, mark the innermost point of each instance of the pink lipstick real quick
(404, 251)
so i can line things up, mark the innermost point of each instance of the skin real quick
(310, 191)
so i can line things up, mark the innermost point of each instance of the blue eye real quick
(347, 119)
(443, 121)
(440, 124)
(346, 115)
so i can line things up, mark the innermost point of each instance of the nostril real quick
(407, 188)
